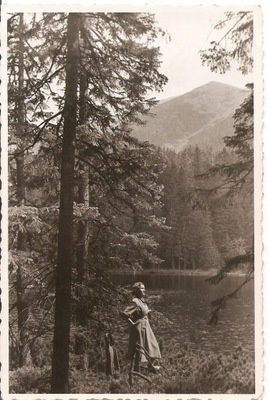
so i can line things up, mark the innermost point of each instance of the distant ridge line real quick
(202, 116)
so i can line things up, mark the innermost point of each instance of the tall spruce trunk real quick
(22, 303)
(61, 340)
(81, 348)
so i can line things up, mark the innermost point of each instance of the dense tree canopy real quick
(202, 237)
(112, 60)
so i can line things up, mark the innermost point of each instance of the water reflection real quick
(180, 282)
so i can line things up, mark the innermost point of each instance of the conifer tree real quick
(109, 91)
(65, 260)
(235, 44)
(238, 32)
(119, 63)
(22, 306)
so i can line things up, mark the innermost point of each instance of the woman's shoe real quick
(154, 368)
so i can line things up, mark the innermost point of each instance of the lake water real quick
(185, 300)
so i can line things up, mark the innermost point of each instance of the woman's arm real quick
(132, 312)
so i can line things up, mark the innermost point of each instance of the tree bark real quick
(61, 340)
(81, 348)
(22, 303)
(172, 258)
(82, 272)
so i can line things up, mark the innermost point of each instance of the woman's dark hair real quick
(135, 291)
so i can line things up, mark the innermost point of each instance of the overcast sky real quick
(191, 30)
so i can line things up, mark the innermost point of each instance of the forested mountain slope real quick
(202, 116)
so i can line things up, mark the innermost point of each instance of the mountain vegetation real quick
(203, 117)
(201, 237)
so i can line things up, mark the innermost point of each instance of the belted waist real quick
(145, 318)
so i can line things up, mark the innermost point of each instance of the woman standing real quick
(140, 330)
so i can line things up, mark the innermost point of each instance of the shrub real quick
(88, 382)
(30, 380)
(180, 385)
(207, 372)
(119, 385)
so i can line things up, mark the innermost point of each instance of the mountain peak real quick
(218, 83)
(214, 85)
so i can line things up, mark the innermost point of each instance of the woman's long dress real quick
(141, 331)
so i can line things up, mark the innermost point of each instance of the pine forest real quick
(87, 198)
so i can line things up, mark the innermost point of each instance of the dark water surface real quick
(185, 300)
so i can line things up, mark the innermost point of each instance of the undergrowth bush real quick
(207, 372)
(119, 385)
(88, 382)
(30, 380)
(184, 370)
(41, 351)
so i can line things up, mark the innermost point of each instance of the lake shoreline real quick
(208, 273)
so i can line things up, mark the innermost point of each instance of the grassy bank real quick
(183, 372)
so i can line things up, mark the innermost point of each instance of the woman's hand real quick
(131, 323)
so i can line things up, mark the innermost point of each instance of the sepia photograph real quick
(131, 202)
